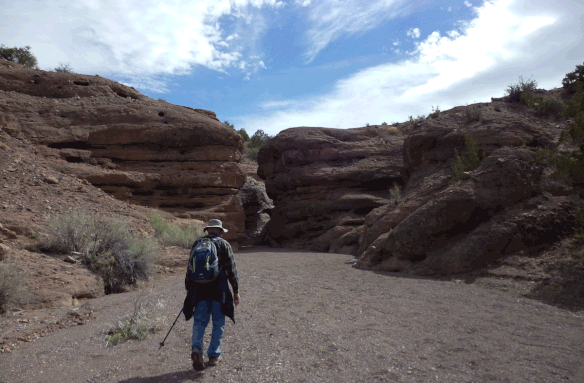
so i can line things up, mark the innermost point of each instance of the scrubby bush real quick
(106, 246)
(417, 122)
(63, 68)
(13, 291)
(469, 160)
(259, 139)
(472, 113)
(514, 91)
(574, 81)
(22, 56)
(172, 234)
(243, 134)
(544, 106)
(139, 325)
(252, 153)
(567, 158)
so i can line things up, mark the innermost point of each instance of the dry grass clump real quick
(514, 91)
(13, 291)
(105, 246)
(139, 325)
(472, 114)
(174, 235)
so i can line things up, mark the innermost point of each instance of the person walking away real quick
(211, 266)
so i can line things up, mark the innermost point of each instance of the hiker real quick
(211, 265)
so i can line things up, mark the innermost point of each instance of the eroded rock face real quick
(257, 206)
(434, 225)
(137, 149)
(325, 181)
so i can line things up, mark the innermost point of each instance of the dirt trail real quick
(310, 317)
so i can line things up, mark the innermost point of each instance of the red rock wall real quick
(140, 150)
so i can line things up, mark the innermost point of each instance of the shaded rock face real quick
(257, 206)
(436, 225)
(139, 150)
(324, 182)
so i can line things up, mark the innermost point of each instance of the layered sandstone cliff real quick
(324, 182)
(140, 150)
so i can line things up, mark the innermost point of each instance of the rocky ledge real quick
(334, 190)
(140, 150)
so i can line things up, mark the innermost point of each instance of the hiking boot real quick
(197, 357)
(213, 360)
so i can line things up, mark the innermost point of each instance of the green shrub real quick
(253, 146)
(105, 246)
(259, 139)
(514, 91)
(568, 162)
(576, 104)
(243, 134)
(574, 81)
(22, 56)
(172, 234)
(252, 153)
(544, 106)
(469, 160)
(13, 291)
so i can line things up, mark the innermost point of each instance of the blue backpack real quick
(204, 262)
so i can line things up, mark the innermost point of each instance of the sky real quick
(277, 64)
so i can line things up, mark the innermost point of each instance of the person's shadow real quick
(182, 376)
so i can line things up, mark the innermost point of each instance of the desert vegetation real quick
(567, 157)
(22, 55)
(63, 68)
(13, 290)
(251, 144)
(469, 160)
(105, 246)
(138, 325)
(171, 234)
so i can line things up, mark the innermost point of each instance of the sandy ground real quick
(311, 317)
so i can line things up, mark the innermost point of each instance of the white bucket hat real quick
(215, 223)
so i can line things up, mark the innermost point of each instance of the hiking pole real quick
(171, 327)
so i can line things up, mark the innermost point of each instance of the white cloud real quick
(333, 19)
(467, 3)
(504, 41)
(414, 33)
(128, 37)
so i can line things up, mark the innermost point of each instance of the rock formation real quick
(324, 182)
(257, 206)
(331, 191)
(140, 150)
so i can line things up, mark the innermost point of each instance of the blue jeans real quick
(202, 313)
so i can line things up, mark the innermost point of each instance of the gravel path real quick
(310, 317)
